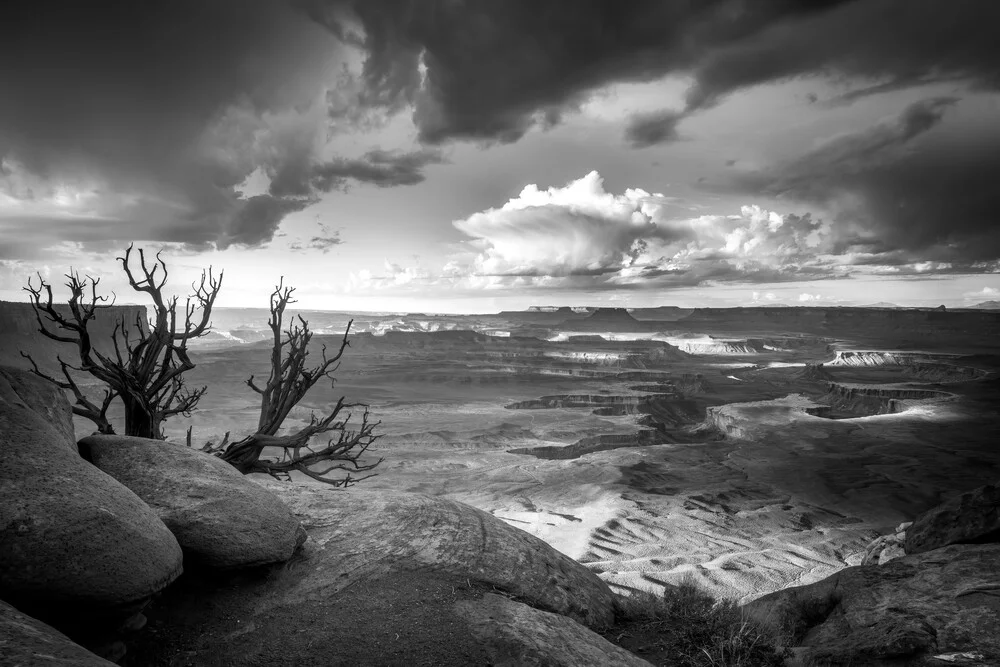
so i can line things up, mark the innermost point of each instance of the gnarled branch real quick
(289, 381)
(145, 368)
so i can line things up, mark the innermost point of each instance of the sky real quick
(478, 155)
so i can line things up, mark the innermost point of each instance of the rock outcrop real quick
(867, 358)
(942, 601)
(75, 545)
(937, 604)
(861, 400)
(885, 548)
(609, 319)
(712, 347)
(220, 518)
(814, 372)
(515, 634)
(972, 517)
(358, 533)
(379, 581)
(27, 642)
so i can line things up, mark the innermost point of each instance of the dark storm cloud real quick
(903, 190)
(495, 69)
(257, 218)
(892, 43)
(123, 95)
(649, 129)
(378, 167)
(304, 178)
(161, 109)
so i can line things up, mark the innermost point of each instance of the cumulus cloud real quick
(394, 276)
(580, 235)
(577, 229)
(901, 194)
(766, 297)
(974, 297)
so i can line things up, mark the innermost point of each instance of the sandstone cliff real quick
(19, 331)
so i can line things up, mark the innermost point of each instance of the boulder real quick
(29, 642)
(76, 547)
(515, 634)
(377, 582)
(358, 532)
(912, 608)
(885, 548)
(220, 518)
(970, 518)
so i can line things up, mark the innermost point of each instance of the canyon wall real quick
(908, 323)
(19, 331)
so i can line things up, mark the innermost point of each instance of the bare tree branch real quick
(83, 406)
(289, 381)
(148, 361)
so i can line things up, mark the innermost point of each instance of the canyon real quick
(748, 449)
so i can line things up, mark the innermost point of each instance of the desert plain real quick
(748, 449)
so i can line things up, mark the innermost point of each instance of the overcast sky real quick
(449, 155)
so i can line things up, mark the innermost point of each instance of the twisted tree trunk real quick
(287, 384)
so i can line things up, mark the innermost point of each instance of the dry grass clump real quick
(687, 626)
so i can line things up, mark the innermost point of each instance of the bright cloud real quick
(574, 230)
(582, 237)
(624, 239)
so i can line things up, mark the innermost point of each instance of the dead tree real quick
(289, 381)
(146, 370)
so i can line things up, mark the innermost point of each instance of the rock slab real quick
(377, 582)
(360, 532)
(75, 545)
(972, 517)
(515, 634)
(911, 608)
(27, 642)
(220, 518)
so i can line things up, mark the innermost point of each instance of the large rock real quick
(27, 642)
(885, 548)
(913, 607)
(971, 518)
(363, 532)
(220, 518)
(377, 582)
(515, 634)
(75, 545)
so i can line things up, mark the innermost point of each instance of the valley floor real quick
(743, 463)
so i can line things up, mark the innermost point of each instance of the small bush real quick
(687, 626)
